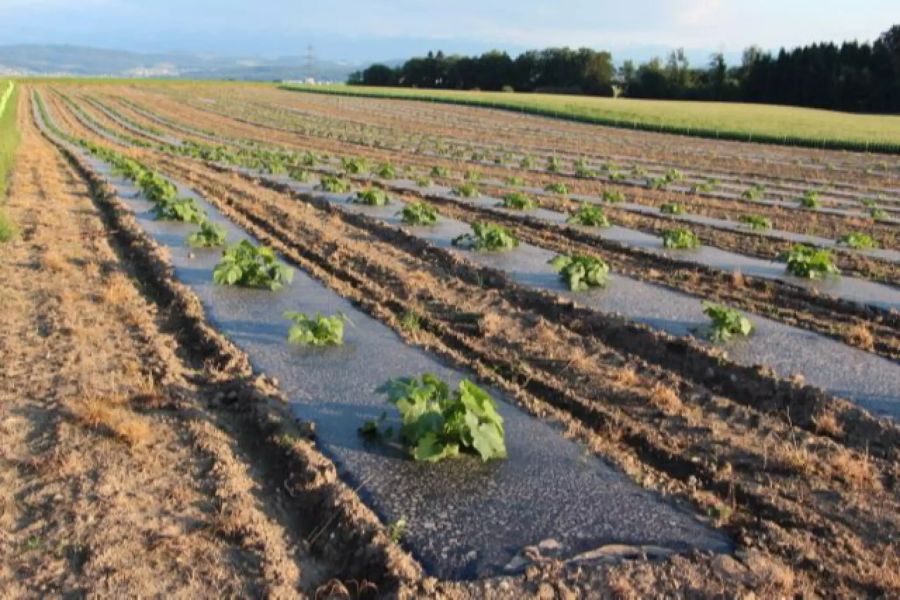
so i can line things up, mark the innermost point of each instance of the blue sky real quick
(368, 30)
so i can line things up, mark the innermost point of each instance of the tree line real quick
(853, 76)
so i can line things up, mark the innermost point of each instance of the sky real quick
(372, 30)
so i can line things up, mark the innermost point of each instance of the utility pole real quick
(310, 62)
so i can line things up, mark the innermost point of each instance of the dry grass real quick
(793, 457)
(860, 335)
(826, 423)
(665, 398)
(53, 262)
(109, 415)
(737, 279)
(119, 290)
(491, 323)
(858, 471)
(627, 377)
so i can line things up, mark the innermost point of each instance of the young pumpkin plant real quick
(589, 215)
(810, 262)
(517, 201)
(726, 322)
(355, 166)
(756, 222)
(419, 213)
(487, 237)
(247, 265)
(613, 196)
(156, 188)
(557, 188)
(315, 331)
(858, 241)
(179, 209)
(210, 235)
(386, 171)
(754, 193)
(581, 272)
(334, 184)
(680, 239)
(438, 424)
(672, 208)
(810, 199)
(466, 190)
(372, 197)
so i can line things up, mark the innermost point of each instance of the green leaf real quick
(438, 424)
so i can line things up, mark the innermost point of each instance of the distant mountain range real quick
(82, 61)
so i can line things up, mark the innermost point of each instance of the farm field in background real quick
(805, 126)
(708, 328)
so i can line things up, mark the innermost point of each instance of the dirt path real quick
(113, 478)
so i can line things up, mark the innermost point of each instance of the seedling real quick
(680, 239)
(487, 236)
(372, 197)
(473, 176)
(557, 188)
(673, 175)
(466, 190)
(672, 208)
(438, 171)
(554, 165)
(858, 241)
(660, 183)
(613, 196)
(810, 199)
(315, 331)
(410, 321)
(527, 163)
(354, 166)
(754, 193)
(517, 201)
(301, 175)
(726, 322)
(334, 185)
(128, 168)
(756, 222)
(515, 181)
(275, 167)
(396, 530)
(155, 188)
(810, 262)
(590, 215)
(179, 209)
(210, 235)
(581, 272)
(247, 265)
(419, 213)
(309, 159)
(878, 214)
(438, 424)
(423, 181)
(705, 187)
(387, 171)
(583, 170)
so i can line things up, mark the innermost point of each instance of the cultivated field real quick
(685, 353)
(779, 124)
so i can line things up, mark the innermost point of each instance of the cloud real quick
(698, 13)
